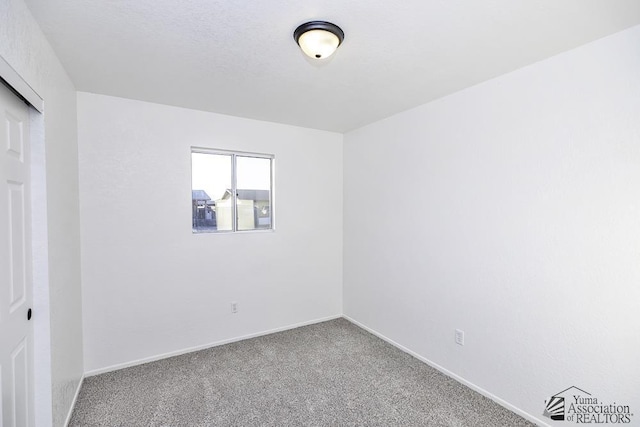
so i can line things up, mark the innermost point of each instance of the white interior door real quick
(16, 331)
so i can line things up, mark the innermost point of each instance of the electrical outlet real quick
(459, 337)
(234, 307)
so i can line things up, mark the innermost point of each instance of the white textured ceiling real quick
(238, 57)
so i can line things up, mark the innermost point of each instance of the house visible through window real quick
(231, 191)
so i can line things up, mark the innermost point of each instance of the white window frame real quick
(234, 189)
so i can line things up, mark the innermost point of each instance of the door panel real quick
(20, 389)
(16, 245)
(16, 332)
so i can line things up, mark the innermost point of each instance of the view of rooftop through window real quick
(215, 176)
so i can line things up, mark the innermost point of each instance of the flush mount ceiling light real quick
(318, 39)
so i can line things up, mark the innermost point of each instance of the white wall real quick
(25, 48)
(510, 210)
(150, 286)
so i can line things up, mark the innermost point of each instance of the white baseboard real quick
(73, 402)
(204, 346)
(448, 373)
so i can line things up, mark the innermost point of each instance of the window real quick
(231, 191)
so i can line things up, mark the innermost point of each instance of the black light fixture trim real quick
(318, 25)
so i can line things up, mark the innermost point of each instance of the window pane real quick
(253, 176)
(211, 192)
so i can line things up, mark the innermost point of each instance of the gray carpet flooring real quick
(327, 374)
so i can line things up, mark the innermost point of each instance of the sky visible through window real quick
(212, 173)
